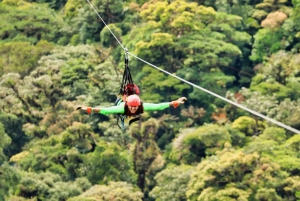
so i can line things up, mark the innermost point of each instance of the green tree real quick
(49, 186)
(87, 23)
(55, 4)
(295, 20)
(46, 155)
(9, 180)
(79, 135)
(107, 39)
(266, 42)
(273, 144)
(165, 88)
(5, 141)
(273, 133)
(109, 163)
(68, 73)
(114, 190)
(171, 183)
(193, 145)
(30, 22)
(287, 112)
(72, 7)
(112, 133)
(278, 76)
(248, 125)
(13, 128)
(145, 149)
(63, 153)
(22, 97)
(22, 57)
(284, 111)
(232, 173)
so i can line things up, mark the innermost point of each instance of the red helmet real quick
(133, 100)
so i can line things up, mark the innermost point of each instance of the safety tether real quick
(127, 79)
(127, 88)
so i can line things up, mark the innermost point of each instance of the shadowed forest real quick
(58, 54)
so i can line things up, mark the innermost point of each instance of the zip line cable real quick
(221, 97)
(205, 90)
(107, 26)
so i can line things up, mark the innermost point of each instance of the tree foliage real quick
(32, 22)
(191, 146)
(56, 55)
(5, 141)
(231, 174)
(114, 190)
(172, 183)
(109, 163)
(22, 57)
(9, 179)
(279, 76)
(50, 186)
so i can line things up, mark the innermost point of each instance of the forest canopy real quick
(58, 54)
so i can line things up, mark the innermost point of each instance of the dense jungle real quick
(58, 54)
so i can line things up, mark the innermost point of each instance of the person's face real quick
(132, 109)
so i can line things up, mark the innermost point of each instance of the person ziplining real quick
(128, 103)
(133, 106)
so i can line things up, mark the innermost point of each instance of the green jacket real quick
(120, 109)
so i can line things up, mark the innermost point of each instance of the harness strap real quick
(135, 119)
(127, 79)
(122, 118)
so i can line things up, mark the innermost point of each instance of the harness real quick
(127, 88)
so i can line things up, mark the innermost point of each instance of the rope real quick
(221, 97)
(205, 90)
(107, 26)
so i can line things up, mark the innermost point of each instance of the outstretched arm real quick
(162, 106)
(89, 110)
(119, 109)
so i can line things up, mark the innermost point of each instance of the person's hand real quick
(178, 102)
(181, 100)
(81, 108)
(87, 109)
